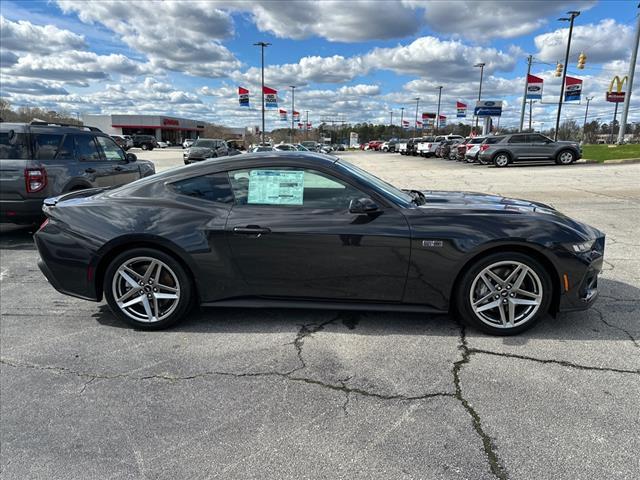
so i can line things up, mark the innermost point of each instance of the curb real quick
(614, 161)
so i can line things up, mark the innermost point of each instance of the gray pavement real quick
(235, 393)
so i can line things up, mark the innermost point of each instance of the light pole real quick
(531, 102)
(415, 126)
(306, 125)
(402, 120)
(572, 16)
(481, 66)
(584, 124)
(438, 114)
(262, 45)
(293, 90)
(627, 98)
(524, 98)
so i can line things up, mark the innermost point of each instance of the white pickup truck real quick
(401, 146)
(423, 145)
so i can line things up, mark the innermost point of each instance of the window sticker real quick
(276, 187)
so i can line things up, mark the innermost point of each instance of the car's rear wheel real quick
(144, 146)
(501, 160)
(147, 288)
(565, 157)
(504, 293)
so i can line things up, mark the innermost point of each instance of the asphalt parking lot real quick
(327, 394)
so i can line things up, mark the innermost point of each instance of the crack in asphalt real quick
(563, 363)
(631, 337)
(495, 464)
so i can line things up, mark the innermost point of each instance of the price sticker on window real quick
(276, 187)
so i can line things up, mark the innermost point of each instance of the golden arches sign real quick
(618, 95)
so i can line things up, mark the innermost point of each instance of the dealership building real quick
(164, 128)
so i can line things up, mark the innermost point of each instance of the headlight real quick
(582, 247)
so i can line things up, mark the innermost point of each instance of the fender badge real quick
(432, 243)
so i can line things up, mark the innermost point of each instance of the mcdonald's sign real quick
(618, 95)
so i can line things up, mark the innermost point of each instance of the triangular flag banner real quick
(243, 96)
(270, 97)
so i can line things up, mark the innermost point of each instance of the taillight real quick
(35, 179)
(44, 224)
(483, 147)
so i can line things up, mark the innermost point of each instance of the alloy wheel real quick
(566, 158)
(146, 289)
(506, 294)
(501, 160)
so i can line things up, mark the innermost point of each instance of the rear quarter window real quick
(13, 145)
(492, 140)
(214, 187)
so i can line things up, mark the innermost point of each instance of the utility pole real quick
(481, 65)
(627, 97)
(524, 97)
(530, 114)
(401, 121)
(438, 114)
(306, 125)
(572, 16)
(415, 126)
(584, 125)
(293, 90)
(262, 45)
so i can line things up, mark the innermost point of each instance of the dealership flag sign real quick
(270, 97)
(442, 121)
(429, 118)
(572, 89)
(462, 109)
(243, 97)
(488, 108)
(283, 115)
(418, 124)
(296, 116)
(534, 87)
(405, 124)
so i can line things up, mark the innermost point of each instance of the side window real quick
(66, 150)
(537, 138)
(291, 187)
(86, 149)
(518, 139)
(45, 146)
(111, 150)
(214, 187)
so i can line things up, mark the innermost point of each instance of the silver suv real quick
(506, 149)
(40, 160)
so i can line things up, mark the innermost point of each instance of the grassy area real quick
(602, 153)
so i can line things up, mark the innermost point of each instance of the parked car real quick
(461, 149)
(204, 148)
(124, 141)
(389, 146)
(262, 148)
(423, 145)
(40, 160)
(374, 145)
(220, 233)
(473, 148)
(145, 142)
(446, 148)
(162, 144)
(311, 145)
(518, 147)
(401, 146)
(187, 142)
(412, 145)
(285, 147)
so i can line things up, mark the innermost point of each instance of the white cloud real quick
(602, 42)
(23, 36)
(29, 86)
(174, 35)
(360, 90)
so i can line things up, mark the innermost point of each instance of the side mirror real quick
(131, 157)
(363, 206)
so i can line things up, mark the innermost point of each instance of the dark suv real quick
(527, 147)
(145, 142)
(40, 160)
(204, 148)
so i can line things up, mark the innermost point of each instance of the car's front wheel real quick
(147, 288)
(565, 157)
(504, 293)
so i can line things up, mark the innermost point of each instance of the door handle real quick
(251, 230)
(90, 170)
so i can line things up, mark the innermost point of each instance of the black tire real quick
(463, 293)
(565, 157)
(144, 146)
(501, 159)
(184, 287)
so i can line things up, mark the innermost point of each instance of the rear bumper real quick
(21, 211)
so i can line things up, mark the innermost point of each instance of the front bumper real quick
(579, 280)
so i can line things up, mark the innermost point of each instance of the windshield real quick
(205, 143)
(388, 189)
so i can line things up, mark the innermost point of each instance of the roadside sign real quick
(488, 108)
(615, 97)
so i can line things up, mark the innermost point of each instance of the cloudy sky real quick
(355, 60)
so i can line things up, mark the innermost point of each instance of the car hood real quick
(483, 203)
(199, 151)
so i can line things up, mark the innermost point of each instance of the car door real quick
(122, 171)
(519, 147)
(92, 166)
(541, 147)
(292, 235)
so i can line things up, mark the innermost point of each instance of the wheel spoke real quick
(488, 306)
(132, 272)
(483, 299)
(512, 314)
(522, 301)
(503, 317)
(167, 288)
(493, 276)
(147, 309)
(150, 269)
(523, 274)
(128, 278)
(165, 296)
(138, 299)
(519, 291)
(128, 294)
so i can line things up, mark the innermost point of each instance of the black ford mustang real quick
(294, 229)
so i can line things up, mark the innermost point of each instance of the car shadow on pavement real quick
(17, 237)
(615, 316)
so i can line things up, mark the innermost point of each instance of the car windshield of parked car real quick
(386, 188)
(205, 143)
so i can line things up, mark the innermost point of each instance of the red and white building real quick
(164, 128)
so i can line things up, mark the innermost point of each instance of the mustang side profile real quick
(306, 230)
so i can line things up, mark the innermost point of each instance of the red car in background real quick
(375, 144)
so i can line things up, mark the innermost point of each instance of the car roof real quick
(49, 128)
